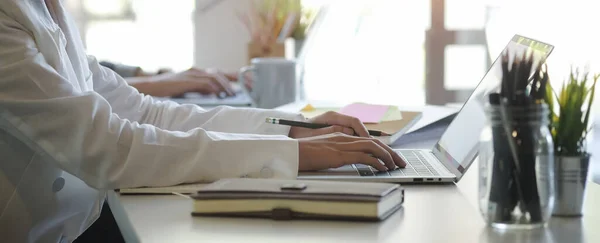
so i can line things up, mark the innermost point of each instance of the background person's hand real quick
(176, 84)
(336, 150)
(339, 123)
(201, 81)
(234, 77)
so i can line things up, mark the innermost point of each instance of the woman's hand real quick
(234, 77)
(336, 150)
(339, 123)
(337, 145)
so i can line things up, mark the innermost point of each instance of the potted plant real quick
(570, 114)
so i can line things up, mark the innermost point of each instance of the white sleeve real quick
(130, 104)
(80, 133)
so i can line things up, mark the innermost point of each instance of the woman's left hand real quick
(339, 124)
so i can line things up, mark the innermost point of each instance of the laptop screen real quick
(458, 146)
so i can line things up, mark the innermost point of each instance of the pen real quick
(313, 125)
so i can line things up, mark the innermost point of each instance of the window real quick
(569, 26)
(369, 51)
(398, 52)
(465, 14)
(457, 75)
(152, 34)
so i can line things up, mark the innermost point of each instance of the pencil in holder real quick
(516, 153)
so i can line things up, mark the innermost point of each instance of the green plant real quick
(270, 16)
(570, 113)
(283, 7)
(306, 19)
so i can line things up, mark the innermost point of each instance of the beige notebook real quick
(395, 122)
(396, 127)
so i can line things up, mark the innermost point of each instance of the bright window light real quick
(106, 7)
(161, 36)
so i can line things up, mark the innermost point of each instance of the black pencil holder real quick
(516, 167)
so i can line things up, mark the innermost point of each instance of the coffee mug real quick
(274, 81)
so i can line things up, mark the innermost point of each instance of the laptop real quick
(457, 148)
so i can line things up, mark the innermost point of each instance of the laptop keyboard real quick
(416, 165)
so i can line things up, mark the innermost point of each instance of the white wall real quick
(220, 37)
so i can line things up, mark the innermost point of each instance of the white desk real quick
(431, 213)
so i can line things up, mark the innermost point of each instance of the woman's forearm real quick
(146, 85)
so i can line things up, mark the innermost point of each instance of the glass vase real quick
(516, 167)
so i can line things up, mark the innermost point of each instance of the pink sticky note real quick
(366, 113)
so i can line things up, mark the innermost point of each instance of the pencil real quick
(313, 125)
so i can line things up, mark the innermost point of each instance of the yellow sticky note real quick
(308, 107)
(393, 114)
(317, 111)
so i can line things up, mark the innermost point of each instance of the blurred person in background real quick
(166, 83)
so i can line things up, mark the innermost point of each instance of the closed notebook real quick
(298, 199)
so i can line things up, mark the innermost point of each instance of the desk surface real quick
(431, 213)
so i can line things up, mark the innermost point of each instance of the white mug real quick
(274, 81)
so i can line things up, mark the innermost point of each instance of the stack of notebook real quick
(288, 199)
